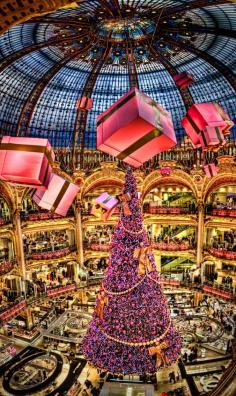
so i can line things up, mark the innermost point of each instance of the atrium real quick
(118, 197)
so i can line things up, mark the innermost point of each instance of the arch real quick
(177, 177)
(218, 181)
(6, 194)
(108, 175)
(13, 13)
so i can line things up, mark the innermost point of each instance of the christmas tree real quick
(131, 331)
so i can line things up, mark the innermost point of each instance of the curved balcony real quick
(6, 267)
(11, 310)
(168, 210)
(222, 253)
(217, 291)
(172, 246)
(223, 212)
(99, 247)
(43, 215)
(57, 290)
(65, 251)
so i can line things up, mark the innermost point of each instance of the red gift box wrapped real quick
(26, 161)
(210, 170)
(135, 128)
(85, 104)
(183, 79)
(58, 197)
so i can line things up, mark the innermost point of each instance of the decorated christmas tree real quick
(131, 331)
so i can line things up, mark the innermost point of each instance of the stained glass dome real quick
(99, 48)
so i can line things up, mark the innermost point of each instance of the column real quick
(19, 244)
(79, 234)
(200, 236)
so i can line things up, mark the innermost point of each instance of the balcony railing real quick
(172, 246)
(42, 215)
(52, 255)
(170, 210)
(8, 312)
(6, 267)
(217, 292)
(222, 253)
(223, 212)
(57, 290)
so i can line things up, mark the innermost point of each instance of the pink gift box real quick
(26, 161)
(183, 79)
(212, 136)
(58, 197)
(210, 170)
(106, 201)
(135, 128)
(85, 103)
(201, 115)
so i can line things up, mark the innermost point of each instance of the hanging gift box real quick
(26, 161)
(166, 170)
(135, 128)
(200, 116)
(106, 201)
(183, 79)
(58, 197)
(210, 170)
(85, 104)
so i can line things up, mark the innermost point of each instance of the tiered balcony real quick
(222, 253)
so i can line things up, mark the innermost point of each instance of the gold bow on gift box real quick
(102, 213)
(144, 263)
(124, 199)
(161, 357)
(103, 301)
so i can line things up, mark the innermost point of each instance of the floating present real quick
(104, 206)
(58, 197)
(135, 128)
(85, 104)
(183, 79)
(106, 201)
(26, 161)
(166, 170)
(210, 170)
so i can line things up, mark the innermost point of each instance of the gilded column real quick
(79, 234)
(19, 244)
(200, 234)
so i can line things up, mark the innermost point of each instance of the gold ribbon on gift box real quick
(124, 199)
(159, 351)
(144, 263)
(28, 148)
(103, 301)
(62, 192)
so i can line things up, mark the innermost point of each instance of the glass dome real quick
(99, 49)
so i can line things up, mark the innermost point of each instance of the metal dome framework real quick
(102, 48)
